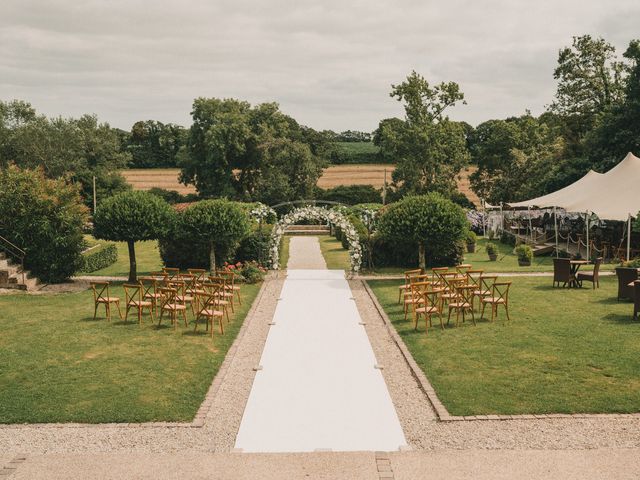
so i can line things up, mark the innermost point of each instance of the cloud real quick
(329, 64)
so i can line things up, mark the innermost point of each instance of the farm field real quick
(333, 176)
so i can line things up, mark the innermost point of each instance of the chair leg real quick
(473, 318)
(441, 321)
(119, 311)
(184, 316)
(482, 313)
(239, 299)
(221, 326)
(140, 315)
(95, 311)
(108, 307)
(506, 309)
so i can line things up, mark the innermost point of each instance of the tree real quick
(132, 217)
(431, 222)
(154, 144)
(44, 217)
(239, 151)
(429, 148)
(220, 223)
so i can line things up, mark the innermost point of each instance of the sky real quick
(329, 64)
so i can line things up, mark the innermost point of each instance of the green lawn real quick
(334, 254)
(147, 258)
(59, 365)
(566, 351)
(284, 251)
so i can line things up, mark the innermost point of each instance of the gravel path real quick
(305, 253)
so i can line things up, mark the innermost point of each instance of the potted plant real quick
(525, 255)
(492, 251)
(471, 241)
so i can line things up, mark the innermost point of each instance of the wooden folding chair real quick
(230, 279)
(462, 303)
(437, 275)
(428, 303)
(181, 294)
(484, 289)
(217, 288)
(473, 278)
(210, 309)
(171, 272)
(450, 281)
(224, 294)
(133, 299)
(101, 296)
(499, 296)
(408, 294)
(200, 273)
(150, 292)
(407, 284)
(169, 303)
(463, 268)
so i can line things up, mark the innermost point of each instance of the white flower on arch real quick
(333, 217)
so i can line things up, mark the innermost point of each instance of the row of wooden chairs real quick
(209, 297)
(426, 294)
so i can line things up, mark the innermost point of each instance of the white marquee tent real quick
(612, 195)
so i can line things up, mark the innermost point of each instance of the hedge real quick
(100, 257)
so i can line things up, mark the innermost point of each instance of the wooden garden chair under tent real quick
(562, 272)
(462, 303)
(150, 292)
(101, 296)
(428, 304)
(217, 288)
(499, 296)
(133, 299)
(169, 303)
(230, 279)
(593, 276)
(210, 309)
(407, 284)
(171, 272)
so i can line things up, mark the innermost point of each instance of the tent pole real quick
(530, 226)
(628, 237)
(484, 218)
(555, 225)
(586, 223)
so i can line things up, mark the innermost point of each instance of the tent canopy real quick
(611, 196)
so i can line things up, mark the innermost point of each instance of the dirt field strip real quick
(336, 175)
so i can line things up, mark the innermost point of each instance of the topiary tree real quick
(429, 221)
(44, 217)
(132, 217)
(219, 223)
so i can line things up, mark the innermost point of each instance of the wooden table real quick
(575, 266)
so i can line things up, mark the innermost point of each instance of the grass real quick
(334, 254)
(566, 351)
(147, 259)
(284, 251)
(59, 365)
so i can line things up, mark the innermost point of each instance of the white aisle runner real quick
(318, 387)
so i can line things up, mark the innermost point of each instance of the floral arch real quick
(332, 217)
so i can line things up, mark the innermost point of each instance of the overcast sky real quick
(328, 63)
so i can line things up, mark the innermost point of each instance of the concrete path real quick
(318, 387)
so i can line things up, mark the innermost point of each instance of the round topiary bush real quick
(433, 224)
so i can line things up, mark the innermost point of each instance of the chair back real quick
(100, 291)
(149, 286)
(228, 275)
(200, 273)
(132, 293)
(625, 277)
(171, 272)
(207, 301)
(465, 293)
(190, 282)
(463, 268)
(487, 282)
(561, 270)
(473, 277)
(501, 290)
(168, 296)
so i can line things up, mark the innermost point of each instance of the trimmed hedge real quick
(98, 258)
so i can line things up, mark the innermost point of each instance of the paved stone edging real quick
(200, 416)
(441, 411)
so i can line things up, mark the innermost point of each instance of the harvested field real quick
(367, 174)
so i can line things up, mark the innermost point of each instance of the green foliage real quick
(247, 272)
(44, 217)
(154, 144)
(352, 152)
(221, 224)
(524, 253)
(471, 237)
(429, 220)
(74, 149)
(132, 216)
(254, 247)
(491, 248)
(100, 257)
(235, 150)
(172, 196)
(429, 148)
(350, 194)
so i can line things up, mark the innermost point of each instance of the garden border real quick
(441, 411)
(202, 412)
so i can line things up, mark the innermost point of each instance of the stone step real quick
(309, 227)
(11, 276)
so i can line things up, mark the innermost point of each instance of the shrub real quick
(254, 247)
(432, 223)
(471, 237)
(220, 224)
(248, 272)
(98, 258)
(350, 194)
(131, 217)
(524, 253)
(491, 248)
(172, 196)
(508, 238)
(44, 217)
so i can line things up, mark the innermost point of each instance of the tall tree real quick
(429, 148)
(154, 144)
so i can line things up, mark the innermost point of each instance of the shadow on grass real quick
(621, 319)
